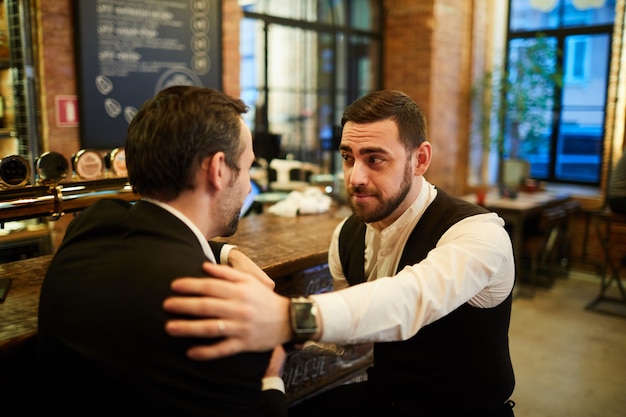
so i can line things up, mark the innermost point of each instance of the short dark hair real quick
(390, 104)
(174, 131)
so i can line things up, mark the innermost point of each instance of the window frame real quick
(561, 32)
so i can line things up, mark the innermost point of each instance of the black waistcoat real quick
(458, 364)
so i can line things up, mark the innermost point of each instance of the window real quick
(302, 62)
(568, 147)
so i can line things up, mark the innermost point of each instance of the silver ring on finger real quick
(221, 327)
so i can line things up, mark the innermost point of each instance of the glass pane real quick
(252, 68)
(588, 13)
(533, 15)
(332, 12)
(528, 15)
(256, 6)
(579, 154)
(341, 82)
(293, 80)
(341, 100)
(533, 144)
(363, 14)
(530, 102)
(299, 10)
(362, 75)
(579, 143)
(325, 111)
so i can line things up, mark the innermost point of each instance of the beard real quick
(231, 228)
(231, 209)
(385, 208)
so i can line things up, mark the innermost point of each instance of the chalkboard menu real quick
(130, 50)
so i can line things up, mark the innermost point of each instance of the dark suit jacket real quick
(103, 349)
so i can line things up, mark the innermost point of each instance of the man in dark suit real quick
(102, 344)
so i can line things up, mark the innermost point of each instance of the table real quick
(516, 211)
(291, 250)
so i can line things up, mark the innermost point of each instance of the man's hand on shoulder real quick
(237, 307)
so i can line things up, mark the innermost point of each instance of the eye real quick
(374, 160)
(346, 157)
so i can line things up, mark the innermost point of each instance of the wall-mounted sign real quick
(66, 109)
(129, 50)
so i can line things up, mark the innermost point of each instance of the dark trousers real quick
(357, 400)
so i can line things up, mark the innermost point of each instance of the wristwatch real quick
(303, 312)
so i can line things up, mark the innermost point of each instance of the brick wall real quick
(428, 47)
(231, 15)
(56, 71)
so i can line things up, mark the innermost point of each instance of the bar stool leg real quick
(609, 271)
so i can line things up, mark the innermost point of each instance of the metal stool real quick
(603, 221)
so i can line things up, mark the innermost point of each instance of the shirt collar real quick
(201, 238)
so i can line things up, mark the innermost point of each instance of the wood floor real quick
(569, 361)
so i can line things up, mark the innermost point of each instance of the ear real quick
(214, 171)
(423, 157)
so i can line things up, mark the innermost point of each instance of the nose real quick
(357, 174)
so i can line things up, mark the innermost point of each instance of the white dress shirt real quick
(472, 262)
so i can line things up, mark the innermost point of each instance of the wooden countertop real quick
(280, 245)
(18, 313)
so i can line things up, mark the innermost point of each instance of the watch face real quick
(303, 324)
(14, 171)
(52, 167)
(304, 314)
(88, 164)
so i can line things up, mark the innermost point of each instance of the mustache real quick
(351, 190)
(354, 190)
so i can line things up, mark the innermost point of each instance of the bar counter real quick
(292, 250)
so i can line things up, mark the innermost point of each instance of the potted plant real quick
(513, 106)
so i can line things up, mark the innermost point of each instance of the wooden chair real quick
(542, 246)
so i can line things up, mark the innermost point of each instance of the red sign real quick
(66, 110)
